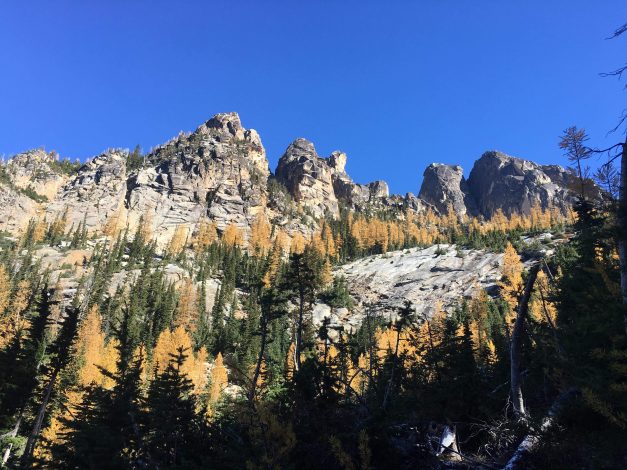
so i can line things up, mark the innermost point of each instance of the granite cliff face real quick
(320, 184)
(498, 181)
(34, 170)
(95, 194)
(308, 178)
(445, 184)
(220, 171)
(28, 181)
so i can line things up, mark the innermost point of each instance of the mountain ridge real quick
(220, 171)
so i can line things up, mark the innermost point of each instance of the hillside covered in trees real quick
(120, 350)
(188, 308)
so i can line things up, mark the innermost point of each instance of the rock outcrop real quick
(445, 185)
(422, 276)
(96, 193)
(308, 177)
(219, 171)
(16, 209)
(321, 183)
(33, 170)
(499, 181)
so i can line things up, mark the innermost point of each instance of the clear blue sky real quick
(395, 84)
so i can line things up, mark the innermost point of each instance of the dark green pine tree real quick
(174, 431)
(303, 280)
(60, 358)
(20, 374)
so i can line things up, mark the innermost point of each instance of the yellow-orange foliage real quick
(206, 235)
(511, 283)
(541, 307)
(260, 232)
(232, 236)
(14, 322)
(297, 244)
(386, 343)
(290, 366)
(5, 289)
(59, 224)
(219, 379)
(186, 307)
(274, 263)
(90, 345)
(326, 276)
(166, 350)
(39, 231)
(482, 343)
(56, 431)
(178, 240)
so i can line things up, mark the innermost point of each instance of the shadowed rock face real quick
(445, 184)
(308, 177)
(321, 183)
(499, 181)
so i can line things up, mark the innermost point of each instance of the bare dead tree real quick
(531, 440)
(516, 345)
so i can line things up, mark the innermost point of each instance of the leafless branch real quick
(618, 31)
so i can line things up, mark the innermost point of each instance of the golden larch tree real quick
(260, 232)
(232, 236)
(186, 308)
(511, 282)
(178, 242)
(207, 234)
(219, 379)
(297, 244)
(5, 289)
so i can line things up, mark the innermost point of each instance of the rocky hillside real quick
(220, 172)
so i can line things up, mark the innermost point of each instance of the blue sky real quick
(395, 84)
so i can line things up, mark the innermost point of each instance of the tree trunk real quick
(27, 456)
(299, 331)
(262, 348)
(622, 230)
(531, 440)
(448, 441)
(516, 344)
(388, 389)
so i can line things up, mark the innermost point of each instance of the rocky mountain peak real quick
(35, 170)
(220, 171)
(308, 178)
(337, 161)
(500, 181)
(445, 184)
(320, 183)
(228, 124)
